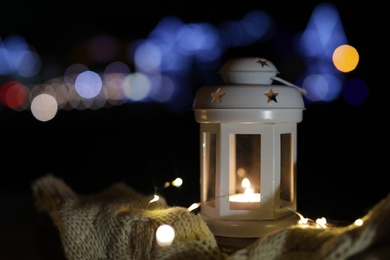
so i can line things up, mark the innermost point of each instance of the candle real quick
(246, 200)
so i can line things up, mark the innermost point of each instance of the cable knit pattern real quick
(119, 224)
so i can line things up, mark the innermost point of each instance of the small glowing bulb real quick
(321, 222)
(358, 222)
(155, 198)
(303, 221)
(177, 182)
(193, 206)
(165, 235)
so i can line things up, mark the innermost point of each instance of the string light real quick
(165, 235)
(358, 222)
(303, 221)
(321, 222)
(155, 198)
(177, 182)
(194, 206)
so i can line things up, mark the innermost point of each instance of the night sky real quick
(342, 149)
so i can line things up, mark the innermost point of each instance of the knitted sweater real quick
(120, 223)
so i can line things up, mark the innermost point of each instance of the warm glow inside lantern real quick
(248, 137)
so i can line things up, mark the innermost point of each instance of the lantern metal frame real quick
(247, 105)
(225, 221)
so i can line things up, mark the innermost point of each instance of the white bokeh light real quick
(165, 235)
(44, 107)
(136, 86)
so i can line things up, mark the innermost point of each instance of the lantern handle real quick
(303, 91)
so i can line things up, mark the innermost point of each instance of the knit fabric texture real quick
(120, 223)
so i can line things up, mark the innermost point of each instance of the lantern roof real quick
(248, 71)
(249, 86)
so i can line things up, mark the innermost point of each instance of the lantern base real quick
(248, 228)
(235, 234)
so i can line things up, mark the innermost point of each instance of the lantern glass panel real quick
(245, 180)
(287, 170)
(209, 144)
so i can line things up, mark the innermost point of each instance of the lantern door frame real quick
(223, 162)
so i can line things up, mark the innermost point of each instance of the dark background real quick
(342, 149)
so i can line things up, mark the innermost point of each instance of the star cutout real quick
(262, 62)
(217, 95)
(271, 95)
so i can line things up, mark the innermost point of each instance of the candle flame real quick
(248, 193)
(245, 183)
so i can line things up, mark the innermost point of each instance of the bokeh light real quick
(345, 58)
(177, 182)
(165, 235)
(165, 63)
(88, 84)
(14, 95)
(136, 86)
(44, 107)
(16, 57)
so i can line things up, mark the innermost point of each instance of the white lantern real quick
(248, 144)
